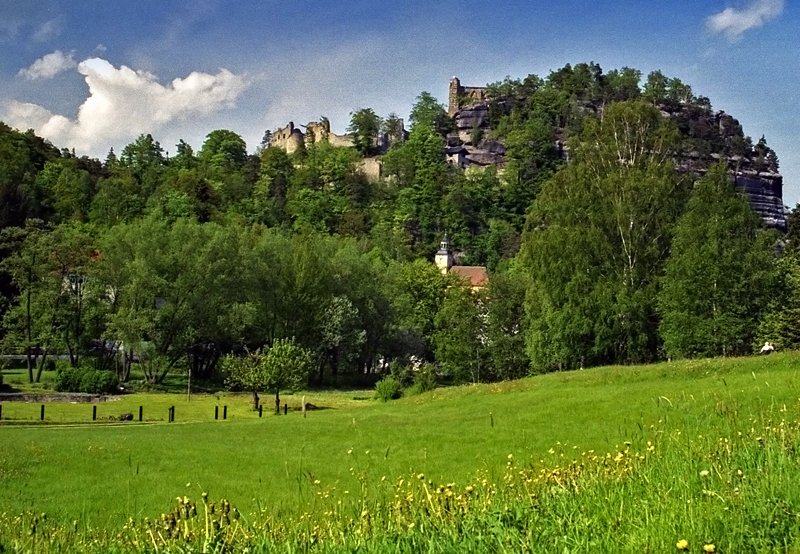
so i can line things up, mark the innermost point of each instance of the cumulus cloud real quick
(49, 66)
(733, 23)
(124, 103)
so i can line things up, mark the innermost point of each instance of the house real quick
(475, 276)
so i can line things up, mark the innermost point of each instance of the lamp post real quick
(76, 284)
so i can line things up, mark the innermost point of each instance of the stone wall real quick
(460, 96)
(291, 138)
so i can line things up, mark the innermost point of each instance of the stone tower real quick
(452, 97)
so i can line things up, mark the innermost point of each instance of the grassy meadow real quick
(608, 459)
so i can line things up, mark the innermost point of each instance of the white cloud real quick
(49, 66)
(123, 103)
(733, 23)
(48, 30)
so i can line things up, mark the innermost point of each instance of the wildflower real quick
(682, 544)
(710, 548)
(704, 473)
(421, 476)
(349, 451)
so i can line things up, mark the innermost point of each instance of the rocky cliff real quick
(708, 137)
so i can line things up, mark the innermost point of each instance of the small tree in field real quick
(285, 365)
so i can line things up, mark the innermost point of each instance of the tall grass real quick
(737, 491)
(635, 459)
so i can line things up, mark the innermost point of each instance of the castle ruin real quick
(291, 138)
(461, 96)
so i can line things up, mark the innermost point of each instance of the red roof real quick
(475, 275)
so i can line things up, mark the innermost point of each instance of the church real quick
(475, 276)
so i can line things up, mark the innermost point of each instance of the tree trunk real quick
(28, 323)
(278, 401)
(40, 365)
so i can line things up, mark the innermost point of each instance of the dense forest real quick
(602, 246)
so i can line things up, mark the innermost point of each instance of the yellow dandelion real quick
(682, 544)
(704, 473)
(710, 548)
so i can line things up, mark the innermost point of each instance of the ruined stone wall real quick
(291, 138)
(460, 96)
(288, 138)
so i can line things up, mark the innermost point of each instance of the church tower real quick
(443, 258)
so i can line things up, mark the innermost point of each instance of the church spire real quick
(444, 258)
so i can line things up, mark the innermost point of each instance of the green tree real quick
(365, 125)
(69, 188)
(145, 158)
(505, 325)
(781, 322)
(224, 151)
(22, 156)
(417, 290)
(184, 157)
(459, 336)
(422, 176)
(596, 241)
(59, 301)
(427, 112)
(284, 365)
(268, 202)
(392, 128)
(623, 84)
(720, 276)
(176, 285)
(117, 200)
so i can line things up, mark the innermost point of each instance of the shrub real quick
(97, 381)
(67, 379)
(425, 378)
(85, 379)
(388, 388)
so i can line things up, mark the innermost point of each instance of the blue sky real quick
(95, 74)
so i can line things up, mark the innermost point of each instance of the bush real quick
(388, 388)
(85, 379)
(67, 379)
(425, 378)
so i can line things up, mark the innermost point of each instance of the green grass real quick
(101, 475)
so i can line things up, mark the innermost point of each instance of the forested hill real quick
(606, 212)
(499, 126)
